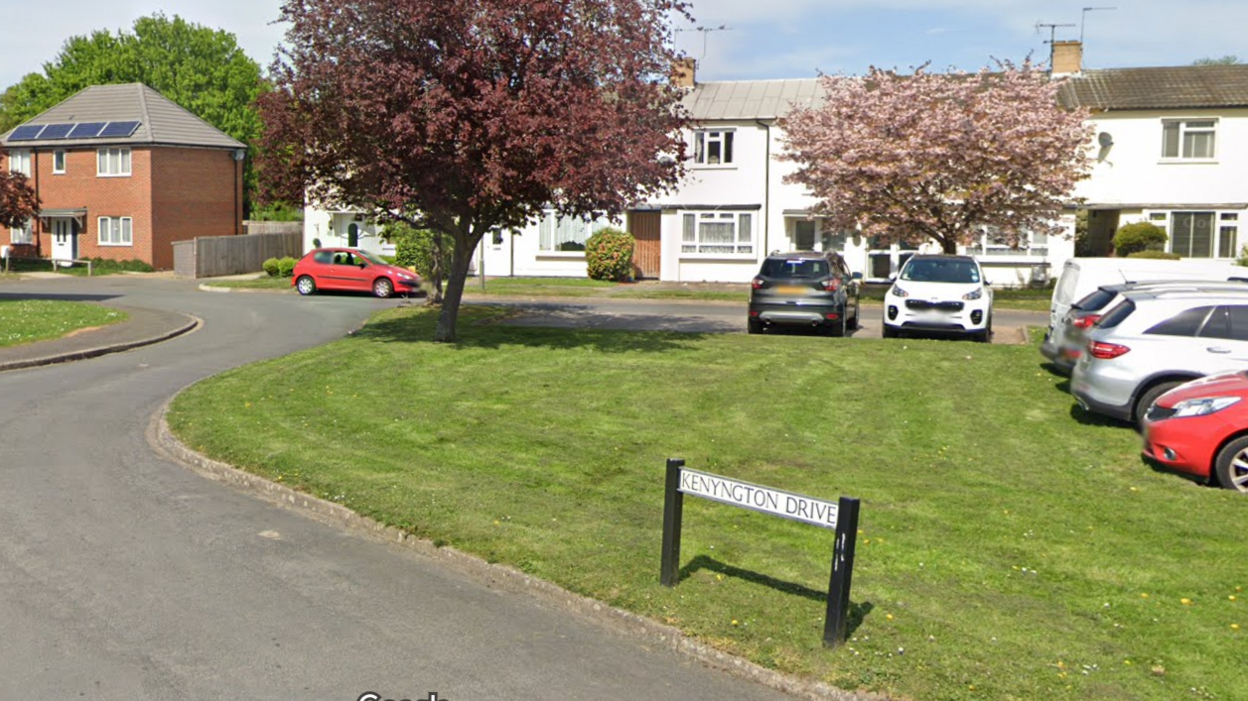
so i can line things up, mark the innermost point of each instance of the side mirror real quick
(892, 277)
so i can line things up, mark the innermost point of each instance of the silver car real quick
(1154, 340)
(1065, 341)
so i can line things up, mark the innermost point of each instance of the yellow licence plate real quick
(791, 289)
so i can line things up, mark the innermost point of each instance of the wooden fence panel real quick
(214, 256)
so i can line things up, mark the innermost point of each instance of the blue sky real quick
(765, 38)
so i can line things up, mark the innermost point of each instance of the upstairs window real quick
(58, 162)
(112, 162)
(1188, 138)
(712, 148)
(19, 162)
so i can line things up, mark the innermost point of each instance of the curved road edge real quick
(494, 576)
(192, 323)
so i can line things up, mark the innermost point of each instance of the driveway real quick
(124, 576)
(704, 317)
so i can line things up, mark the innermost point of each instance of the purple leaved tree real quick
(463, 116)
(928, 156)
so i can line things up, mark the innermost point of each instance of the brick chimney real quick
(1067, 58)
(683, 70)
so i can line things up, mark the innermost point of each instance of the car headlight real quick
(898, 292)
(1203, 406)
(974, 294)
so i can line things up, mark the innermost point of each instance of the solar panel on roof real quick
(26, 133)
(119, 129)
(86, 130)
(56, 131)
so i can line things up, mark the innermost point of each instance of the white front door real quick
(64, 240)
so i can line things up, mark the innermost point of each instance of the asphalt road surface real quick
(124, 576)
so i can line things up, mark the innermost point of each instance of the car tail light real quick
(832, 316)
(757, 283)
(1087, 322)
(832, 285)
(1106, 351)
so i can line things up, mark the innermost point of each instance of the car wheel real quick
(754, 325)
(984, 336)
(889, 332)
(1148, 397)
(383, 288)
(837, 328)
(857, 322)
(305, 284)
(1230, 468)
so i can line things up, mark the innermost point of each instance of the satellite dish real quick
(1105, 139)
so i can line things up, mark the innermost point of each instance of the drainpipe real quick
(766, 192)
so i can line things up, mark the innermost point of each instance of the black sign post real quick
(843, 516)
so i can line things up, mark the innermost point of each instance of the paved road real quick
(124, 576)
(707, 318)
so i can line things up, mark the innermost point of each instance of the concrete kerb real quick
(192, 324)
(491, 575)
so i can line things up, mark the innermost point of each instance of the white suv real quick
(939, 294)
(1155, 340)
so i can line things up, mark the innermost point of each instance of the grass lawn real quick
(27, 321)
(1011, 546)
(263, 283)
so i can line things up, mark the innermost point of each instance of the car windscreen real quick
(940, 270)
(370, 257)
(1095, 301)
(795, 268)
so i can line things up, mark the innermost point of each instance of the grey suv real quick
(805, 289)
(1154, 340)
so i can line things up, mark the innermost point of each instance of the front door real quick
(64, 240)
(646, 230)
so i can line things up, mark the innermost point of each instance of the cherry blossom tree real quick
(463, 116)
(18, 201)
(930, 156)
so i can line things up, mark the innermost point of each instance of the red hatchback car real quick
(1201, 428)
(353, 270)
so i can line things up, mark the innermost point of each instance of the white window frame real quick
(59, 161)
(23, 234)
(1185, 130)
(693, 226)
(119, 230)
(554, 231)
(19, 161)
(1225, 224)
(112, 162)
(1032, 244)
(725, 139)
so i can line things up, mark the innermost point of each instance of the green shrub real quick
(609, 255)
(286, 266)
(1243, 257)
(271, 266)
(1162, 255)
(413, 248)
(1140, 236)
(133, 265)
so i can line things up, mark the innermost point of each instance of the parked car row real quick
(1143, 360)
(944, 295)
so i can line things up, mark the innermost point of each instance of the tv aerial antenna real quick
(705, 31)
(1052, 30)
(1084, 18)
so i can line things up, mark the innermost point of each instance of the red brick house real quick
(122, 173)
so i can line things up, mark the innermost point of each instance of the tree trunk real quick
(436, 263)
(949, 245)
(461, 257)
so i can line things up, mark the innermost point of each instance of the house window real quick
(566, 234)
(1192, 234)
(718, 233)
(711, 148)
(1190, 138)
(19, 162)
(112, 161)
(58, 162)
(116, 231)
(22, 234)
(993, 243)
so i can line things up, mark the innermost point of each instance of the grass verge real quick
(30, 320)
(1012, 547)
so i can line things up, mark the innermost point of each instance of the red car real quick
(1201, 428)
(351, 269)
